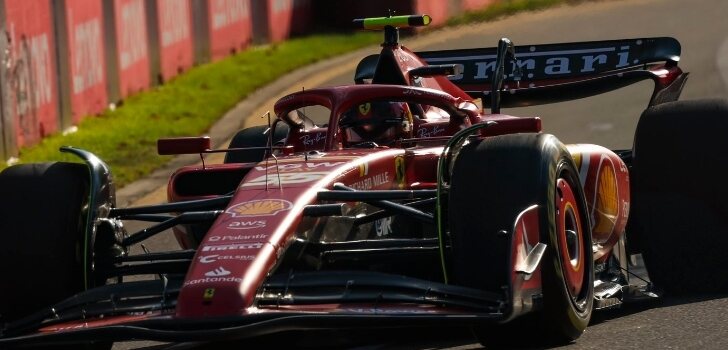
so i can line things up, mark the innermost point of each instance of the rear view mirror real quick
(183, 145)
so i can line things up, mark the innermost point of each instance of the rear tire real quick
(679, 216)
(494, 181)
(253, 137)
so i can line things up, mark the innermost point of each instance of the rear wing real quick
(559, 72)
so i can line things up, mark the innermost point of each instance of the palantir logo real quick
(218, 272)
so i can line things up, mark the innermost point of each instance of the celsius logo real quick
(208, 259)
(218, 272)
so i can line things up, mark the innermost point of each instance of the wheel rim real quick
(570, 238)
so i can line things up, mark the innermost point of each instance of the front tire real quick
(40, 230)
(41, 234)
(492, 182)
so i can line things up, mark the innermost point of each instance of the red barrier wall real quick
(280, 13)
(31, 77)
(175, 36)
(86, 58)
(131, 39)
(284, 18)
(469, 5)
(105, 53)
(230, 26)
(437, 9)
(302, 18)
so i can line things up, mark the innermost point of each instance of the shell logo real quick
(260, 207)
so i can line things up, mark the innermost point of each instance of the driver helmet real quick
(380, 123)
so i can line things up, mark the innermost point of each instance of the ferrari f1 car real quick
(397, 202)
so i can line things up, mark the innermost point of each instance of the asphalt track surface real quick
(699, 322)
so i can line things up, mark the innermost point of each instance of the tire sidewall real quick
(575, 311)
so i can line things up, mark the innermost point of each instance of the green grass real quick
(190, 104)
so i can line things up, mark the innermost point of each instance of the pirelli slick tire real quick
(492, 182)
(41, 229)
(679, 189)
(253, 137)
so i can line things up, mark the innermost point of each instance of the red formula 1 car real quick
(408, 206)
